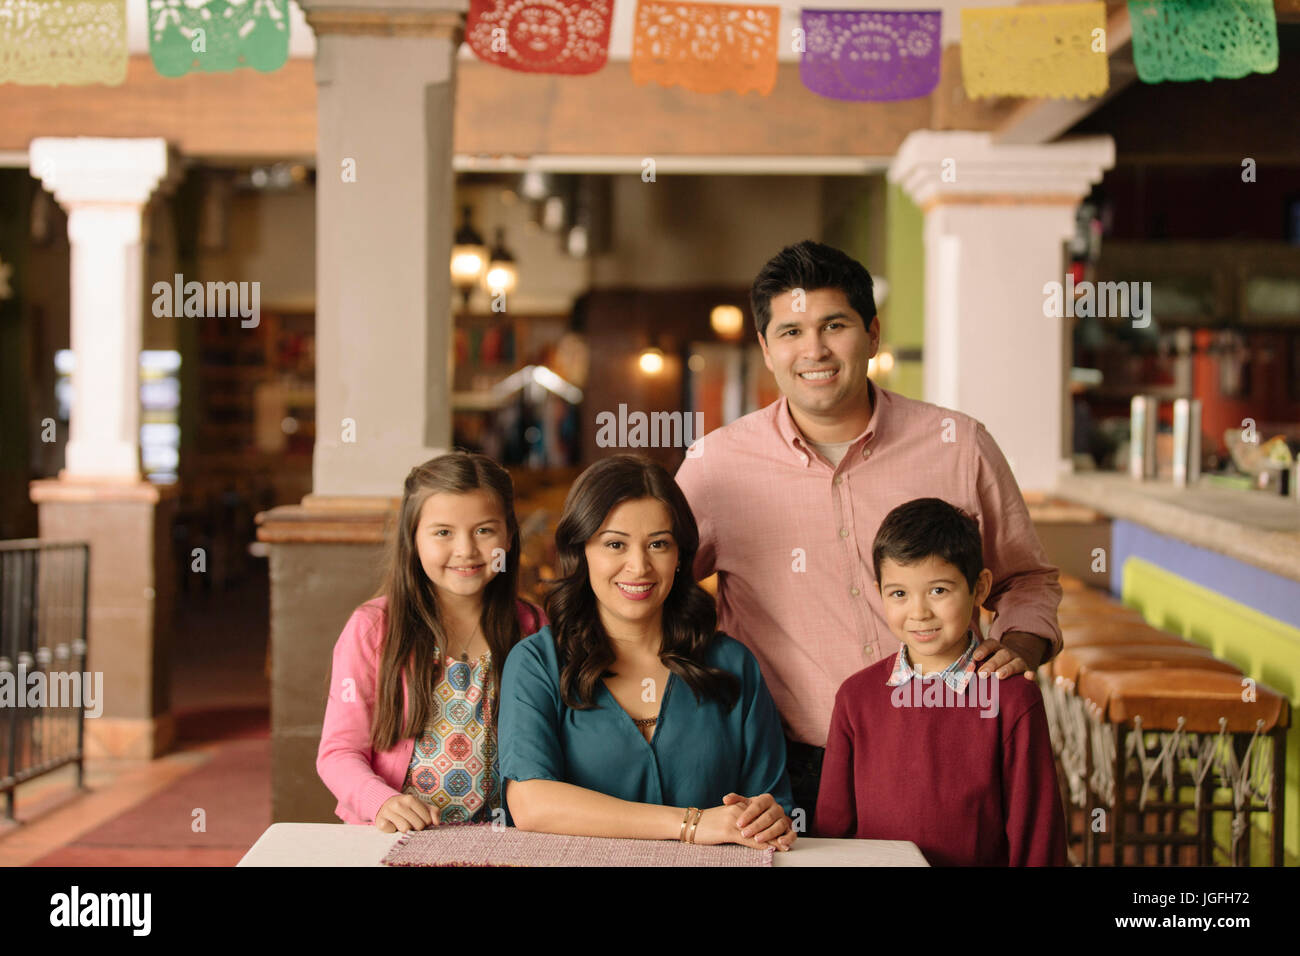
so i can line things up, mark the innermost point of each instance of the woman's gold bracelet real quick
(690, 834)
(681, 836)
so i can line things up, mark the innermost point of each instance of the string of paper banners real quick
(1032, 51)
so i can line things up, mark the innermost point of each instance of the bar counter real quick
(1255, 527)
(1219, 567)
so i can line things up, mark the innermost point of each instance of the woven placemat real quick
(483, 844)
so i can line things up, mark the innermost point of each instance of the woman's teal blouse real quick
(700, 751)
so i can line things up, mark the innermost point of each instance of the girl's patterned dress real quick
(451, 765)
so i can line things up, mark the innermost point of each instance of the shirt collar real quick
(800, 446)
(956, 675)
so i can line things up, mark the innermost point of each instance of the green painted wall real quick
(903, 316)
(849, 221)
(1266, 649)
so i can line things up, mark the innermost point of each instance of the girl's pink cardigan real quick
(359, 777)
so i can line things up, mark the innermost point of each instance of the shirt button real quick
(804, 459)
(855, 592)
(839, 479)
(866, 453)
(868, 651)
(844, 532)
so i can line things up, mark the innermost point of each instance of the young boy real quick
(921, 747)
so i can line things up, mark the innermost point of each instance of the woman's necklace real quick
(464, 651)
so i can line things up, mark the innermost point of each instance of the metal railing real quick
(44, 588)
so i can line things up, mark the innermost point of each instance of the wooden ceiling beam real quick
(241, 115)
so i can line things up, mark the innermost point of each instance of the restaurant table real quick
(343, 844)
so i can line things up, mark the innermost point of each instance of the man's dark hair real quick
(811, 266)
(930, 527)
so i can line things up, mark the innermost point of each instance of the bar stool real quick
(1077, 615)
(1068, 745)
(1108, 633)
(1203, 721)
(1072, 719)
(1097, 633)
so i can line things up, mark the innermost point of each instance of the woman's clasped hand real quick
(757, 822)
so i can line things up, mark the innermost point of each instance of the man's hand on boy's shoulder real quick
(1016, 653)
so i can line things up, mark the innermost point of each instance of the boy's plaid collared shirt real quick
(956, 675)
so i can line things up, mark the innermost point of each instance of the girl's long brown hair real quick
(690, 618)
(414, 634)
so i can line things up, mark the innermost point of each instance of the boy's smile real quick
(930, 608)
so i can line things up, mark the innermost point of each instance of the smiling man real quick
(789, 499)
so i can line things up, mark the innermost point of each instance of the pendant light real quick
(469, 257)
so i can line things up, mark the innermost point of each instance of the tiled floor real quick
(203, 804)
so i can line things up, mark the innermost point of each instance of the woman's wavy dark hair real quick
(690, 618)
(415, 631)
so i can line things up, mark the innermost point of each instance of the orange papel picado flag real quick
(706, 47)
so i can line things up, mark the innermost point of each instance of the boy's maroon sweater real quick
(968, 790)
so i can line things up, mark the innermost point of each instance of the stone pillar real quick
(99, 497)
(384, 197)
(384, 194)
(996, 217)
(103, 185)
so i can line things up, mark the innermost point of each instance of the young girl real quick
(409, 738)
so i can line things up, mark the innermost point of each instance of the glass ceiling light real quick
(469, 257)
(535, 185)
(727, 321)
(502, 274)
(651, 361)
(553, 214)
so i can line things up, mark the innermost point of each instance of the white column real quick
(996, 217)
(385, 81)
(104, 185)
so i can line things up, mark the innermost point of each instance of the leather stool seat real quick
(1067, 665)
(1096, 611)
(1102, 633)
(1160, 696)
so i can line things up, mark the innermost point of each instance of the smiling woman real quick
(632, 711)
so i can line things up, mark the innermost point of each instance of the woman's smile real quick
(638, 591)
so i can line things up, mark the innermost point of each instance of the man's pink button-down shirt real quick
(790, 539)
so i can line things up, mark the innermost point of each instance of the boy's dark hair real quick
(930, 527)
(811, 266)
